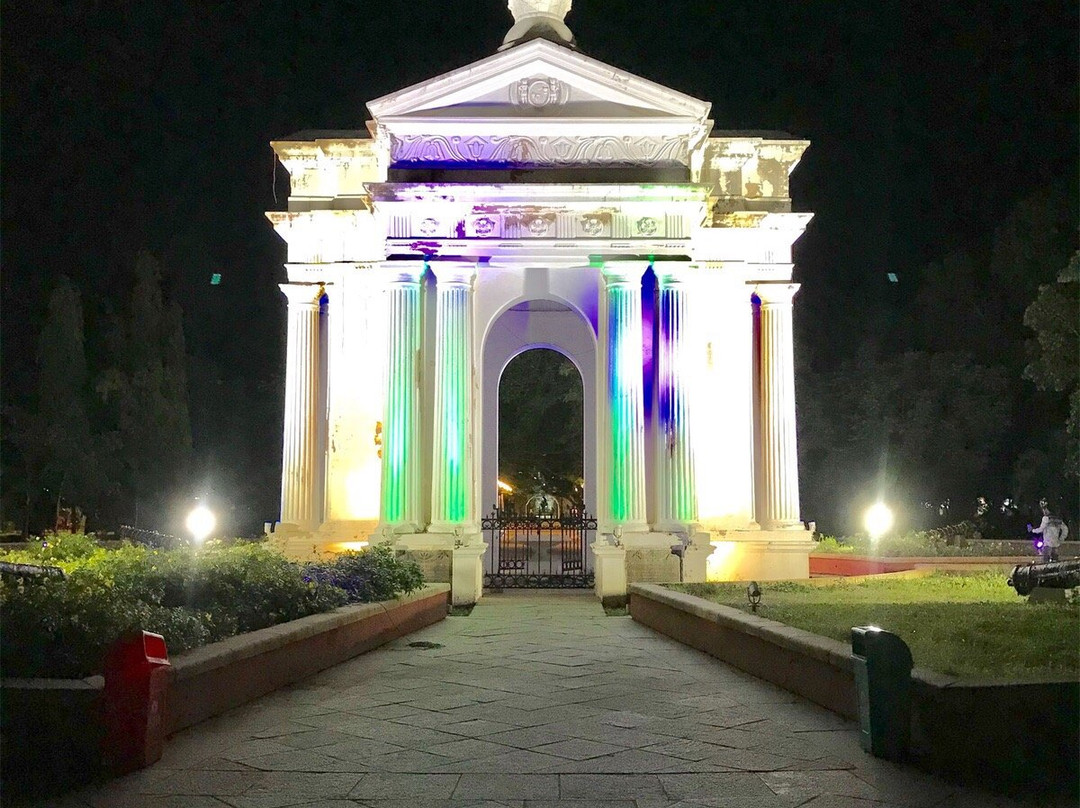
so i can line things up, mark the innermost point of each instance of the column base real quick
(609, 572)
(294, 541)
(455, 529)
(695, 561)
(341, 535)
(793, 524)
(650, 559)
(760, 555)
(619, 529)
(467, 578)
(434, 553)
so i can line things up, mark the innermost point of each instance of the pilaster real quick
(623, 501)
(302, 471)
(777, 455)
(453, 498)
(400, 499)
(676, 499)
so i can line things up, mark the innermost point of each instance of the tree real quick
(1055, 353)
(54, 434)
(541, 439)
(147, 388)
(915, 428)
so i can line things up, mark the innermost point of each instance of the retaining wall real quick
(1011, 735)
(51, 733)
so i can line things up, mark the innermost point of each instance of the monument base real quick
(759, 555)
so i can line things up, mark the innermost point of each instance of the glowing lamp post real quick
(879, 520)
(200, 523)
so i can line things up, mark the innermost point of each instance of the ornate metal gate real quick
(538, 552)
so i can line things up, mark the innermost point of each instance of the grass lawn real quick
(974, 626)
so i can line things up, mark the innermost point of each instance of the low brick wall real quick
(51, 733)
(1009, 735)
(1014, 734)
(817, 668)
(847, 565)
(208, 681)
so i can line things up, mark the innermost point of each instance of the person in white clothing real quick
(1052, 532)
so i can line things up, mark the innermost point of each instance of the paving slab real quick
(535, 699)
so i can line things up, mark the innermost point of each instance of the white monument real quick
(519, 202)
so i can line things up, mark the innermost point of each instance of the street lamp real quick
(878, 520)
(200, 523)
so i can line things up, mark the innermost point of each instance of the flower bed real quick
(61, 627)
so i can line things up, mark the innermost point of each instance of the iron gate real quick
(538, 552)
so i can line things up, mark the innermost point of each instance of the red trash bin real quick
(137, 675)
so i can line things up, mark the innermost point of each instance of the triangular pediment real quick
(538, 79)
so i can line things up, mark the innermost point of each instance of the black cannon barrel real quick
(11, 570)
(1051, 575)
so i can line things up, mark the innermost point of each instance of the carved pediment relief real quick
(537, 76)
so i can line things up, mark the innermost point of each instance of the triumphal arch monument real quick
(541, 198)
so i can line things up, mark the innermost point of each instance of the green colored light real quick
(400, 426)
(215, 279)
(623, 360)
(452, 448)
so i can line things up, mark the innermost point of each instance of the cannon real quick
(10, 570)
(1053, 575)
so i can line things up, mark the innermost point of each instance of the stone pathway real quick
(536, 699)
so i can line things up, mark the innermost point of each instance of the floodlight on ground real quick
(879, 520)
(753, 594)
(201, 523)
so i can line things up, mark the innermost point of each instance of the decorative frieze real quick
(524, 150)
(538, 224)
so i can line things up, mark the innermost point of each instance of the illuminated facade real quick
(540, 198)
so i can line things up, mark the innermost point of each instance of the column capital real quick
(622, 273)
(303, 294)
(672, 273)
(403, 272)
(776, 293)
(453, 273)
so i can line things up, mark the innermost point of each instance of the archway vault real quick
(521, 326)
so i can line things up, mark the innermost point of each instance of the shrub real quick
(372, 575)
(56, 548)
(829, 544)
(961, 539)
(62, 627)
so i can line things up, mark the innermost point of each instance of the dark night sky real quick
(131, 126)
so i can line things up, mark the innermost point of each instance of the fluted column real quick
(399, 505)
(301, 472)
(778, 459)
(624, 382)
(452, 474)
(676, 488)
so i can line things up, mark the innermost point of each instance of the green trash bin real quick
(883, 681)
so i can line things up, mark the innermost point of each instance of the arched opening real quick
(539, 439)
(541, 435)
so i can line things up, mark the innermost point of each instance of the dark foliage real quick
(63, 627)
(374, 574)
